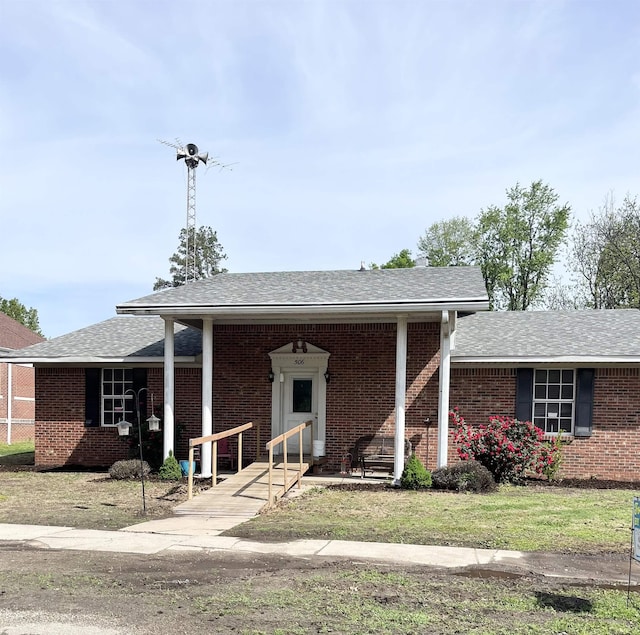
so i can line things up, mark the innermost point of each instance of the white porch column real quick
(401, 391)
(169, 391)
(207, 395)
(443, 390)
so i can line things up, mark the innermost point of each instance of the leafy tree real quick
(401, 260)
(449, 243)
(208, 256)
(519, 243)
(605, 256)
(19, 312)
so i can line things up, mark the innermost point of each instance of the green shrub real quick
(465, 476)
(170, 469)
(507, 447)
(129, 469)
(415, 475)
(552, 456)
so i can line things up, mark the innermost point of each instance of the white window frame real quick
(115, 403)
(554, 405)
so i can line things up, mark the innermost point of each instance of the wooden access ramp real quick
(243, 495)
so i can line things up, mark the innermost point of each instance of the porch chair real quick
(225, 452)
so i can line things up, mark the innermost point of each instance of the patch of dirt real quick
(218, 592)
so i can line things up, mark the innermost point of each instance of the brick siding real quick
(360, 399)
(609, 453)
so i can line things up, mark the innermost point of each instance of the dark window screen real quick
(302, 395)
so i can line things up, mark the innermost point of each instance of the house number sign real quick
(299, 361)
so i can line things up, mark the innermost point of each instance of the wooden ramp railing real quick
(214, 438)
(297, 473)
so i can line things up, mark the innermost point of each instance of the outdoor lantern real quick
(154, 423)
(123, 428)
(327, 376)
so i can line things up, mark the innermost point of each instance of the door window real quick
(302, 395)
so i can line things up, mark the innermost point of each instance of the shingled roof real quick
(127, 339)
(513, 337)
(611, 336)
(299, 291)
(14, 335)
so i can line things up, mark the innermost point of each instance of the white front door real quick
(300, 404)
(299, 392)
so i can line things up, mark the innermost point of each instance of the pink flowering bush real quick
(507, 447)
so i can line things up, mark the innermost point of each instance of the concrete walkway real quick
(199, 532)
(601, 570)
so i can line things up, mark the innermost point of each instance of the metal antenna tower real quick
(192, 158)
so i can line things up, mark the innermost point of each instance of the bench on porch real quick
(378, 451)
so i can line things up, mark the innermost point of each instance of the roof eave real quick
(96, 360)
(599, 360)
(279, 310)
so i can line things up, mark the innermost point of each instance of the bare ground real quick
(111, 594)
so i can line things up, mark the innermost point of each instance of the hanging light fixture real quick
(123, 428)
(153, 421)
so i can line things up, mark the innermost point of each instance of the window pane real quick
(302, 389)
(541, 392)
(565, 425)
(554, 392)
(552, 425)
(567, 391)
(539, 410)
(554, 376)
(539, 423)
(541, 376)
(553, 411)
(566, 409)
(567, 377)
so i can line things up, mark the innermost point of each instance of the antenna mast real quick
(192, 157)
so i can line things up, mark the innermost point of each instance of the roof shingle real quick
(299, 288)
(544, 334)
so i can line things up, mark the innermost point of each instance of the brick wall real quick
(610, 452)
(23, 402)
(360, 399)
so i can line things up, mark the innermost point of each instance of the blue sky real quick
(352, 126)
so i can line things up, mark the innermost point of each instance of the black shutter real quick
(139, 377)
(92, 390)
(524, 394)
(584, 402)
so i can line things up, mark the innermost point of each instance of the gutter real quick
(96, 360)
(472, 305)
(547, 359)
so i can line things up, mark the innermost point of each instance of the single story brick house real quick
(360, 352)
(17, 383)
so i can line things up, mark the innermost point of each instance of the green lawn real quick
(523, 518)
(21, 453)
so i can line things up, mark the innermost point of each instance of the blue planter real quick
(184, 467)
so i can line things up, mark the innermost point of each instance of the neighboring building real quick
(17, 383)
(361, 352)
